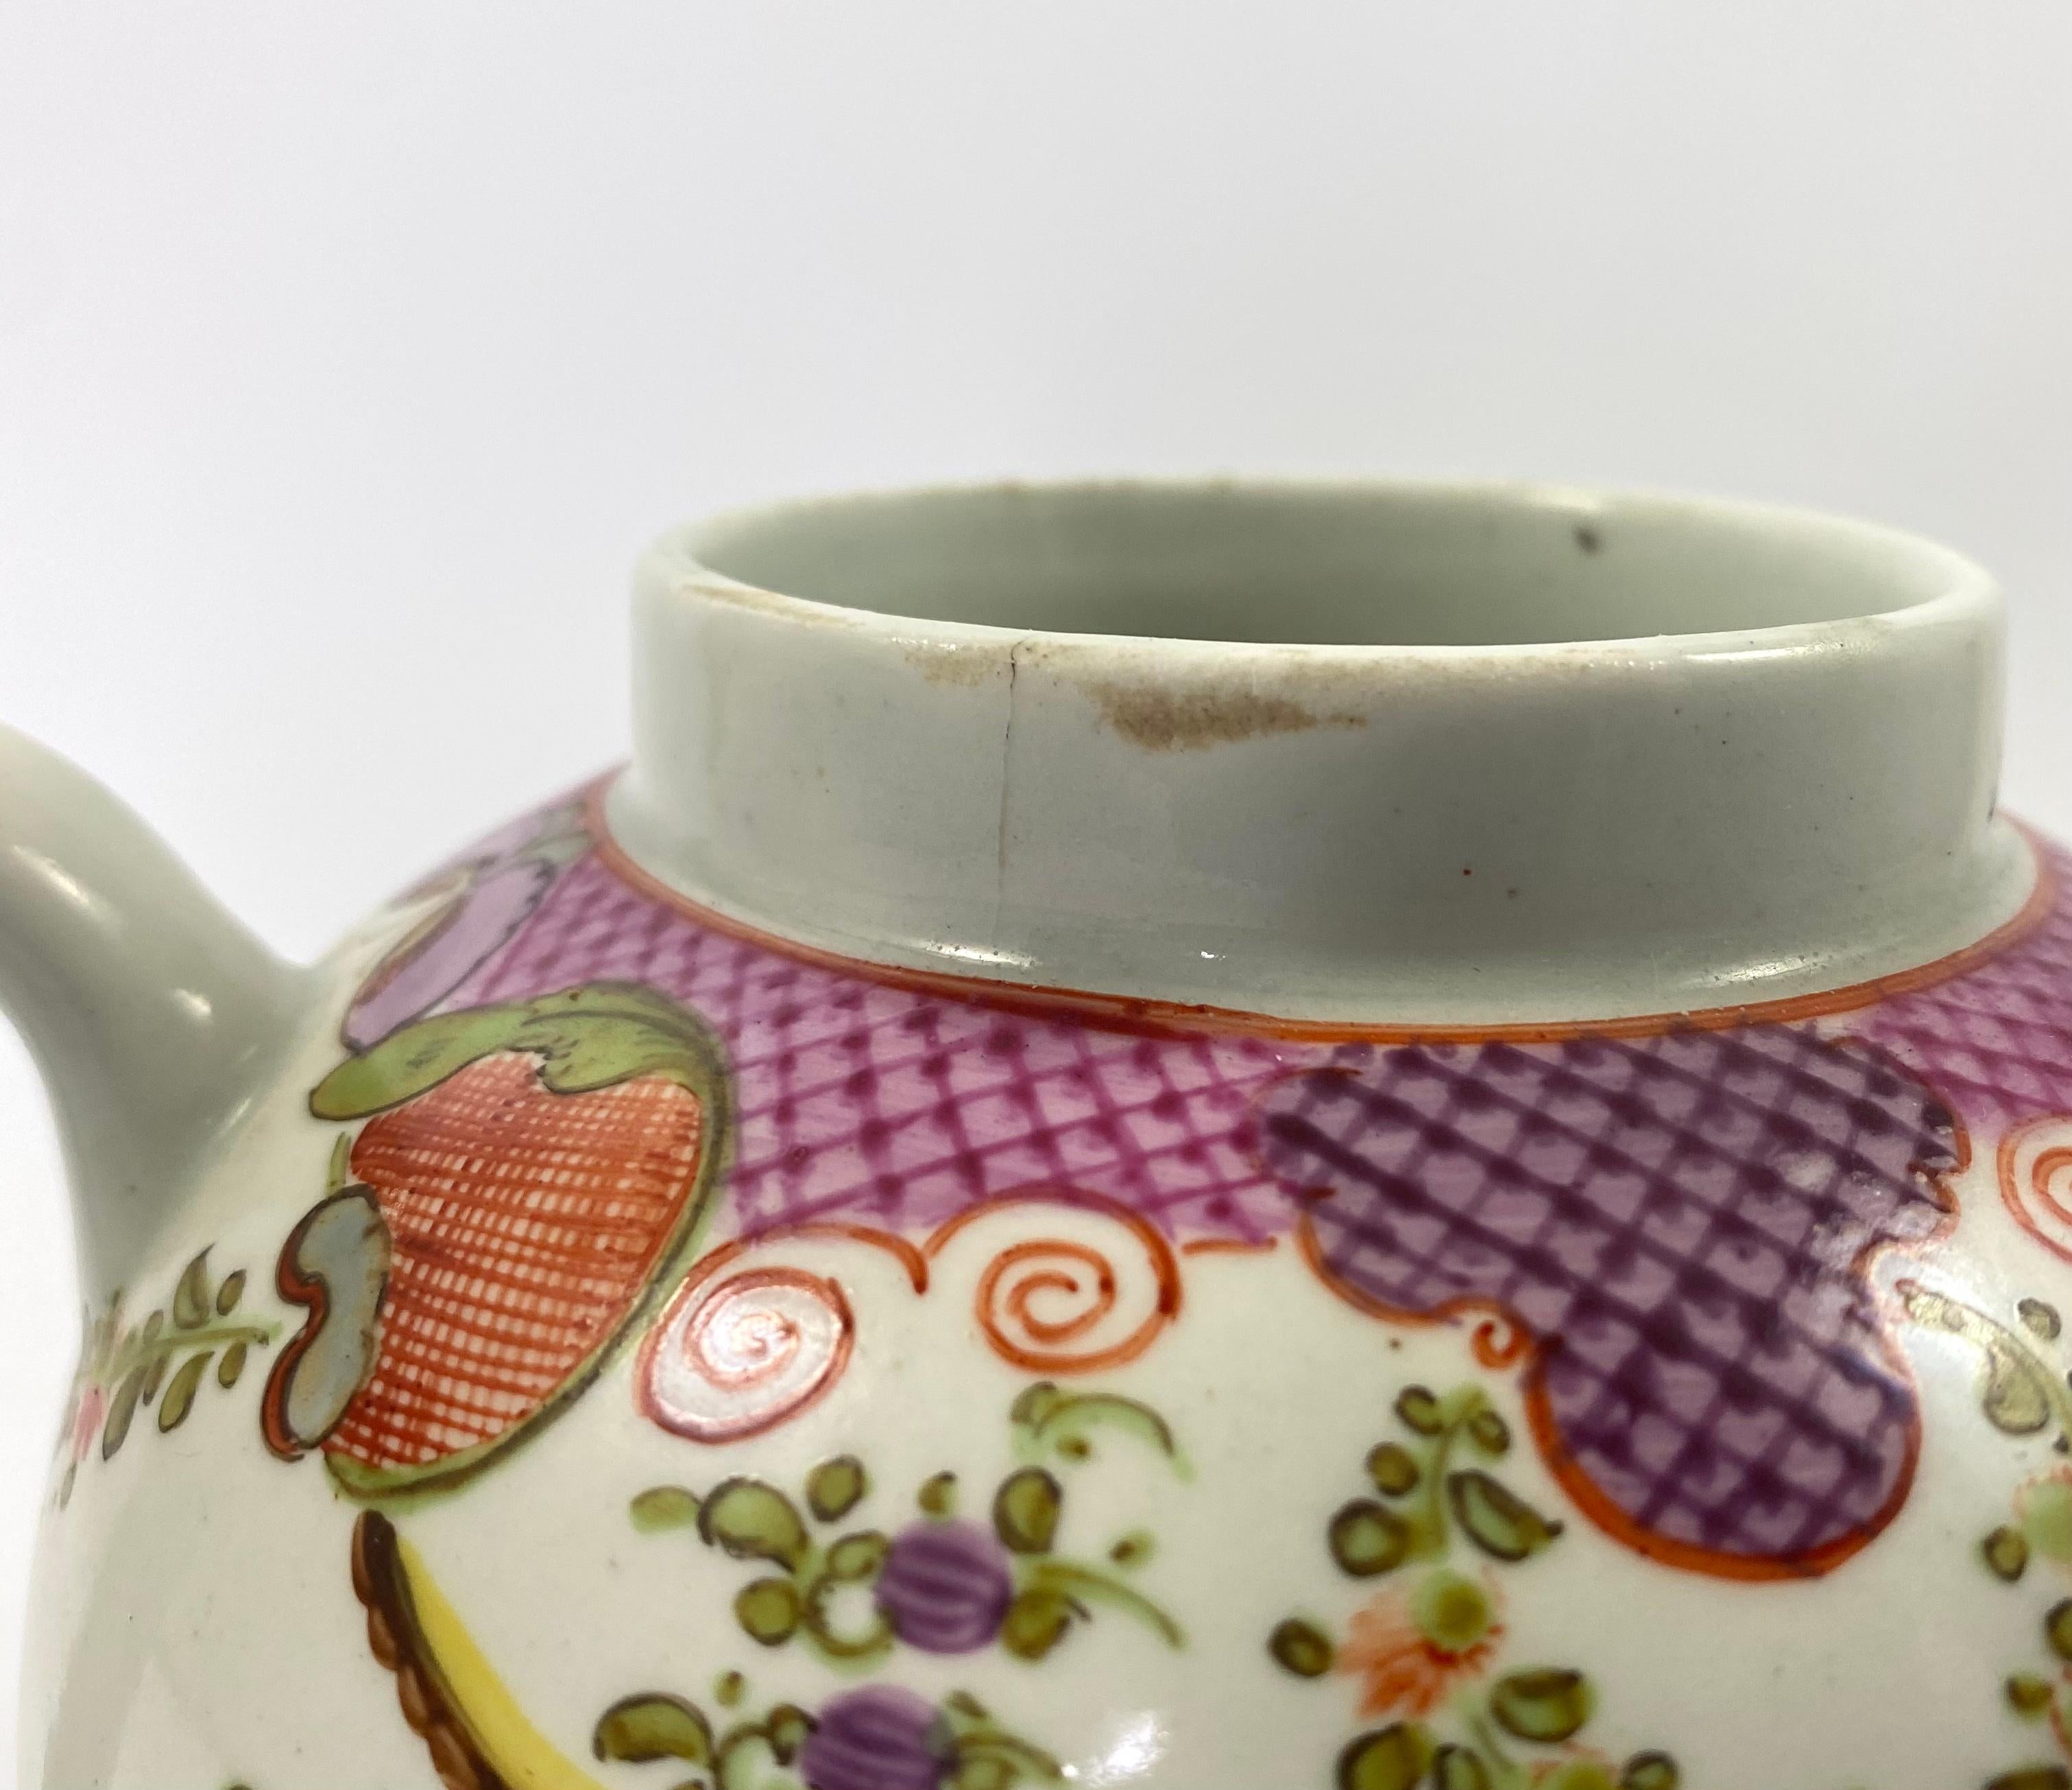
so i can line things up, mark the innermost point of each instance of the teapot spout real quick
(148, 1009)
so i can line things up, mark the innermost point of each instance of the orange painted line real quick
(2048, 1163)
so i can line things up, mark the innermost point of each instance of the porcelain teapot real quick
(1196, 1136)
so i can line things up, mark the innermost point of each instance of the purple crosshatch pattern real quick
(1680, 1220)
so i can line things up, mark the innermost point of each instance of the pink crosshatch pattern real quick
(899, 1102)
(856, 1097)
(860, 1099)
(1996, 1043)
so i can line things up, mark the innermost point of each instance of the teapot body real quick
(622, 1342)
(1191, 1136)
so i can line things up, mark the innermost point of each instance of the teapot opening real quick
(1330, 564)
(1424, 754)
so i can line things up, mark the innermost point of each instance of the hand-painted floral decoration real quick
(124, 1366)
(1424, 1650)
(878, 1738)
(941, 1583)
(2023, 1392)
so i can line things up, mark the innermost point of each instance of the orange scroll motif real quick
(1061, 1304)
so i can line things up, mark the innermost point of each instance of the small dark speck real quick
(1511, 895)
(1465, 871)
(1588, 538)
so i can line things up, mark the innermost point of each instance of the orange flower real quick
(1409, 1650)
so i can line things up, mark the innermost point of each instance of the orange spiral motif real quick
(2036, 1181)
(738, 1350)
(732, 1356)
(1060, 1304)
(1500, 1341)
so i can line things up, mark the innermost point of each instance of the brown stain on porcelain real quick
(957, 663)
(1162, 719)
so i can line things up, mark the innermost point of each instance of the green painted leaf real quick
(2033, 1777)
(1134, 1550)
(1418, 1407)
(1367, 1538)
(2006, 1554)
(1490, 1433)
(2042, 1319)
(937, 1496)
(1497, 1520)
(2057, 1628)
(650, 1727)
(1548, 1705)
(1025, 1511)
(753, 1521)
(2015, 1398)
(1035, 1405)
(1459, 1768)
(768, 1610)
(1067, 1421)
(835, 1488)
(179, 1397)
(1394, 1469)
(231, 1366)
(2029, 1695)
(121, 1411)
(857, 1558)
(155, 1374)
(1651, 1772)
(1393, 1757)
(191, 1302)
(2018, 1396)
(586, 1038)
(729, 1688)
(1302, 1648)
(1036, 1621)
(227, 1295)
(661, 1508)
(786, 1728)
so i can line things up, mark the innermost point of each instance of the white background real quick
(348, 355)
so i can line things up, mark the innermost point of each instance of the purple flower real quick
(880, 1738)
(945, 1587)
